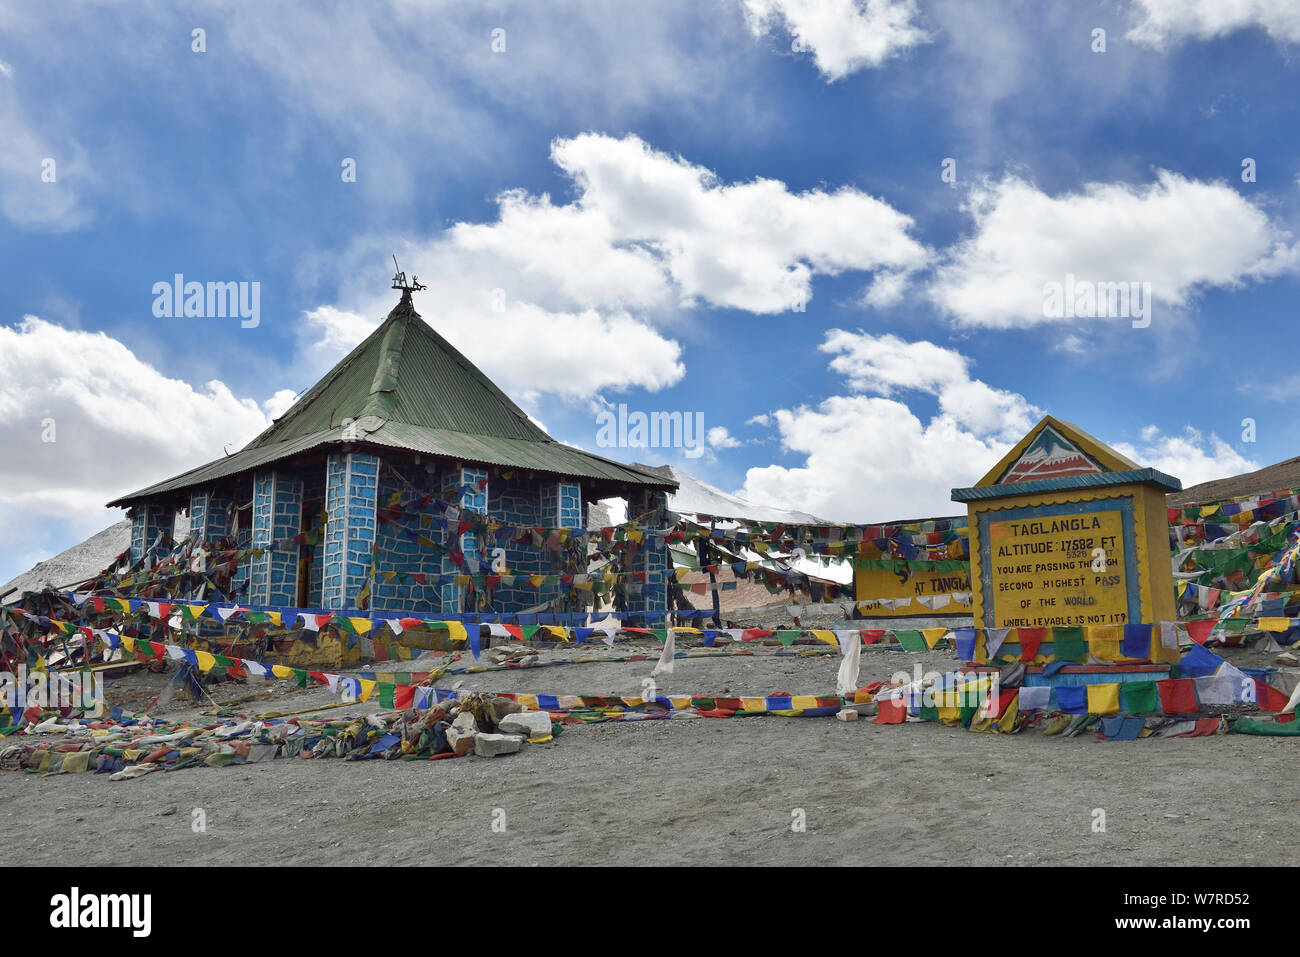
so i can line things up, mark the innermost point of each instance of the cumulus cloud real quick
(1180, 235)
(88, 420)
(720, 438)
(871, 457)
(1164, 22)
(886, 364)
(565, 298)
(844, 36)
(1192, 457)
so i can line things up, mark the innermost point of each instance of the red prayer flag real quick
(1269, 698)
(1030, 639)
(1178, 696)
(1198, 631)
(891, 711)
(403, 696)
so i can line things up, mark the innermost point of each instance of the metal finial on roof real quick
(399, 281)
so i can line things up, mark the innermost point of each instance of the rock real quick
(530, 724)
(846, 714)
(1287, 659)
(501, 707)
(461, 733)
(528, 661)
(490, 745)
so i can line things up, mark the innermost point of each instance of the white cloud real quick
(279, 403)
(563, 299)
(752, 246)
(1168, 21)
(42, 176)
(524, 348)
(720, 438)
(117, 424)
(844, 35)
(1179, 235)
(1190, 457)
(872, 458)
(886, 364)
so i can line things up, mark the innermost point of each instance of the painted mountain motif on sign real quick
(1050, 456)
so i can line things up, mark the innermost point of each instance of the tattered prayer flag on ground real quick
(891, 711)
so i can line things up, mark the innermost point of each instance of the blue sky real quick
(650, 191)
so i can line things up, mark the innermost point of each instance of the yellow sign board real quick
(1059, 570)
(888, 594)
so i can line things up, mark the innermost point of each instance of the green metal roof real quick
(406, 387)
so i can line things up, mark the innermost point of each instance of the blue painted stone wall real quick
(399, 551)
(516, 500)
(653, 561)
(147, 523)
(209, 515)
(351, 487)
(277, 514)
(453, 597)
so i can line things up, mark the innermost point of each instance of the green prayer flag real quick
(1068, 645)
(912, 640)
(1139, 697)
(787, 638)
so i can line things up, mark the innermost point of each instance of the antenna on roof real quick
(399, 281)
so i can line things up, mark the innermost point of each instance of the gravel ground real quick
(688, 790)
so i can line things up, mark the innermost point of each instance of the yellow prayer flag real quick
(829, 638)
(456, 631)
(367, 688)
(932, 635)
(205, 661)
(1007, 723)
(1274, 624)
(1103, 698)
(361, 626)
(1104, 641)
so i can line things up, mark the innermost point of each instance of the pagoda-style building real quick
(400, 429)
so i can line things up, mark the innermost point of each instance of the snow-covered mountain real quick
(695, 496)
